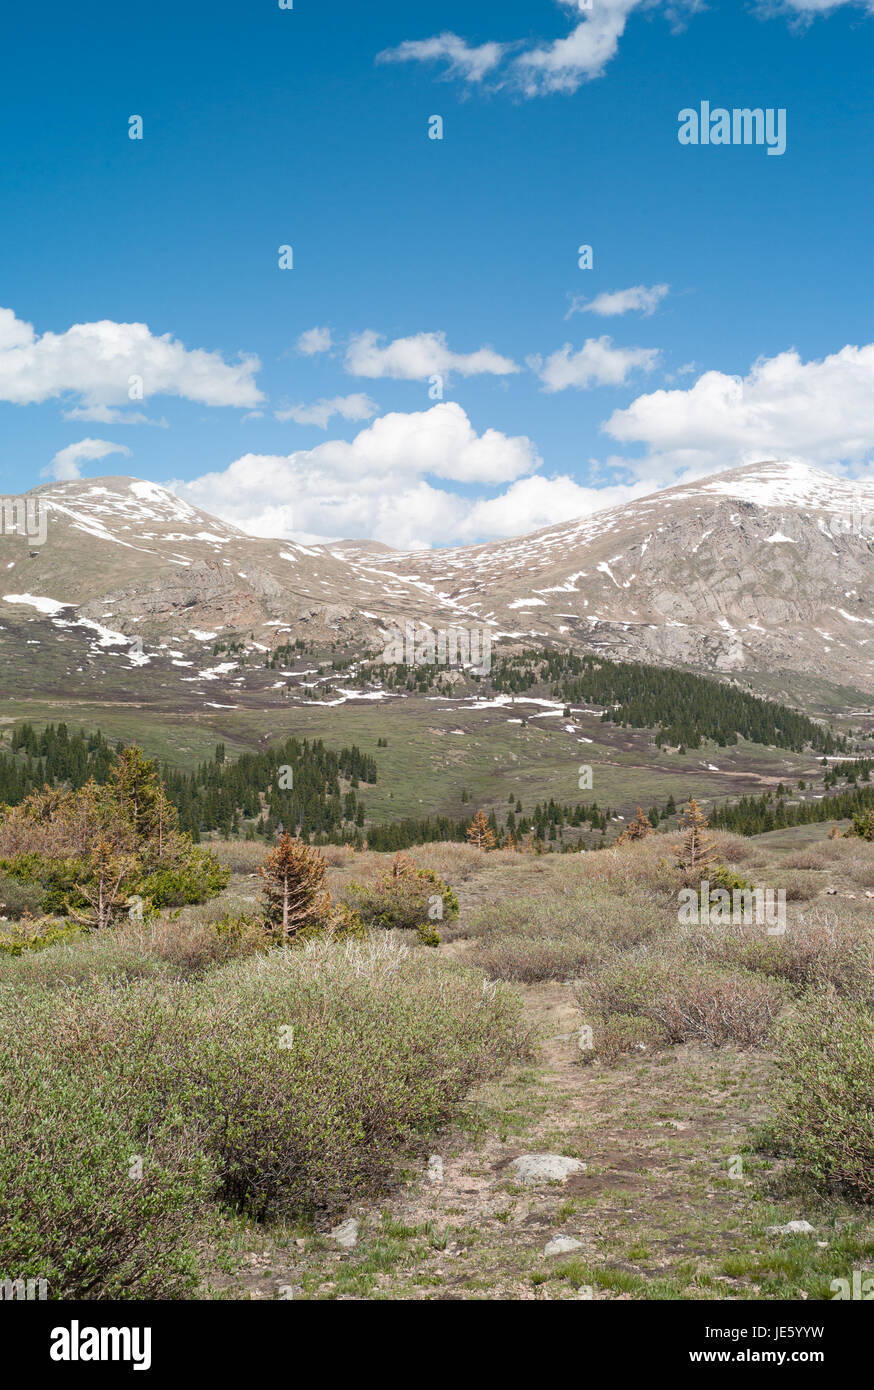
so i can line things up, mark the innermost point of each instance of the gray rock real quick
(562, 1245)
(537, 1168)
(435, 1168)
(346, 1234)
(793, 1228)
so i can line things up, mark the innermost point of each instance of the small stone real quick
(435, 1168)
(346, 1234)
(537, 1168)
(562, 1245)
(793, 1228)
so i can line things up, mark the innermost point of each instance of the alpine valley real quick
(147, 618)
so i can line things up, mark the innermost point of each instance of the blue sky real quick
(744, 278)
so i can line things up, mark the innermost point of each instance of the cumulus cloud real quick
(532, 503)
(467, 61)
(357, 407)
(96, 362)
(419, 357)
(598, 363)
(645, 299)
(378, 485)
(315, 340)
(65, 465)
(821, 411)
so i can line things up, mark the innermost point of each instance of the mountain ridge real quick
(763, 568)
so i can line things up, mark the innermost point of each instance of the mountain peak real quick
(101, 505)
(788, 483)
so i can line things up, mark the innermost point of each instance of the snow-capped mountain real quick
(762, 570)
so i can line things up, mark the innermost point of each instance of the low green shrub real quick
(530, 959)
(405, 898)
(686, 999)
(620, 1034)
(72, 1209)
(201, 877)
(283, 1085)
(19, 898)
(35, 934)
(823, 1118)
(818, 949)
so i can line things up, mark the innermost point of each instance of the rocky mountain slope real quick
(766, 568)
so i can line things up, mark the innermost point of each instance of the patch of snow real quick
(42, 605)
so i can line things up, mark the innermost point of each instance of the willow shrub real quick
(823, 1118)
(281, 1085)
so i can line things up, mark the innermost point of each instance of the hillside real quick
(761, 574)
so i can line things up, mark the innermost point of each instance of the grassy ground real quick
(438, 749)
(665, 1108)
(676, 1198)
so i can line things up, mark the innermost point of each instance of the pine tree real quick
(479, 832)
(106, 889)
(638, 829)
(697, 853)
(294, 897)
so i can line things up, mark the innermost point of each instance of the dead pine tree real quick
(479, 832)
(697, 854)
(293, 895)
(638, 829)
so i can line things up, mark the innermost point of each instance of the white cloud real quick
(65, 465)
(532, 503)
(419, 357)
(467, 61)
(357, 407)
(564, 65)
(583, 54)
(374, 486)
(643, 298)
(315, 340)
(95, 361)
(598, 363)
(819, 411)
(560, 66)
(809, 9)
(111, 415)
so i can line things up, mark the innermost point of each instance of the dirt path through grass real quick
(669, 1205)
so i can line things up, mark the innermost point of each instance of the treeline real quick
(55, 756)
(295, 784)
(402, 834)
(754, 815)
(683, 709)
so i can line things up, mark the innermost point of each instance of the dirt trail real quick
(657, 1134)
